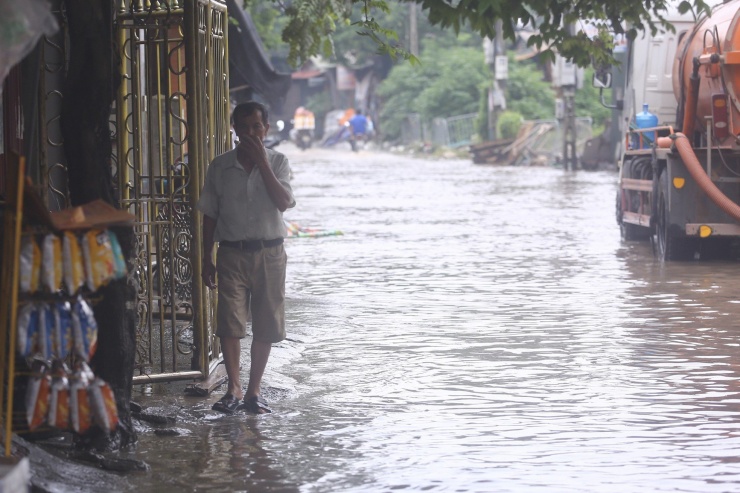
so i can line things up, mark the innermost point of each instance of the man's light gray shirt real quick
(239, 202)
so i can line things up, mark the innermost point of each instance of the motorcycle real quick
(356, 141)
(303, 138)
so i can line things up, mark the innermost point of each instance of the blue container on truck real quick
(646, 120)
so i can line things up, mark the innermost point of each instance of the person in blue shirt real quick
(358, 123)
(358, 128)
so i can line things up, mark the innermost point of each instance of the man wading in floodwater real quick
(243, 199)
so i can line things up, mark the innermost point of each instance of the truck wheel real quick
(668, 245)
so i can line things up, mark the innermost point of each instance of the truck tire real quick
(668, 245)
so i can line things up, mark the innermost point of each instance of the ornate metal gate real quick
(172, 119)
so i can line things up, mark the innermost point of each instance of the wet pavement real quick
(475, 329)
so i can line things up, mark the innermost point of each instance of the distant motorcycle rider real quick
(358, 128)
(304, 123)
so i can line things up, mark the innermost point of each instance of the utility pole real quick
(501, 64)
(567, 82)
(570, 133)
(495, 55)
(413, 30)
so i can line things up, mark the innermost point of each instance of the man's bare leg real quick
(231, 348)
(260, 353)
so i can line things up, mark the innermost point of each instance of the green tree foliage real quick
(399, 92)
(270, 23)
(448, 82)
(348, 47)
(453, 81)
(352, 49)
(508, 124)
(311, 23)
(527, 92)
(588, 102)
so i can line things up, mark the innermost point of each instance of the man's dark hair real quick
(359, 112)
(247, 109)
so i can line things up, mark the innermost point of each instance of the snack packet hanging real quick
(37, 395)
(79, 403)
(30, 265)
(51, 265)
(28, 327)
(59, 397)
(98, 255)
(62, 339)
(46, 327)
(84, 330)
(74, 265)
(103, 403)
(119, 263)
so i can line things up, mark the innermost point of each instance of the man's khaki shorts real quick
(251, 281)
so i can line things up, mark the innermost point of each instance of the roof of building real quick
(249, 65)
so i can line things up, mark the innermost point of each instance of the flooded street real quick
(475, 329)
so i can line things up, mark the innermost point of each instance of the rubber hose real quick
(700, 176)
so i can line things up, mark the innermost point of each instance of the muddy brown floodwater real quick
(475, 329)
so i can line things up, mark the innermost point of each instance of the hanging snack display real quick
(73, 264)
(99, 262)
(51, 330)
(56, 326)
(37, 395)
(51, 263)
(79, 402)
(49, 333)
(59, 397)
(28, 322)
(45, 331)
(30, 263)
(62, 338)
(84, 330)
(103, 404)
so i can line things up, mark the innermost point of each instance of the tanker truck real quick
(679, 178)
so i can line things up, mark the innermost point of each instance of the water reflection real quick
(212, 452)
(480, 329)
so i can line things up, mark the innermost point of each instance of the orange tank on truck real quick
(706, 75)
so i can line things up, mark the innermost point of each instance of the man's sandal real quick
(254, 405)
(227, 404)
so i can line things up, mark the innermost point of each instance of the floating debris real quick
(296, 231)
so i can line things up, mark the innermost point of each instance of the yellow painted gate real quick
(172, 119)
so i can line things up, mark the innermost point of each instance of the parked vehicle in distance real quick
(304, 125)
